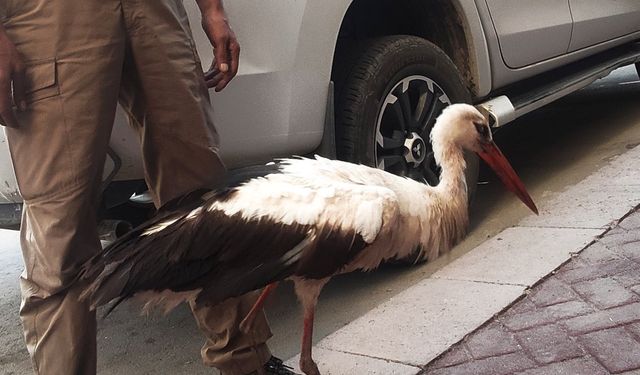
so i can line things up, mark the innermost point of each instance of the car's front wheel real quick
(387, 102)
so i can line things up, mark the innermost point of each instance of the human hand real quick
(11, 74)
(226, 49)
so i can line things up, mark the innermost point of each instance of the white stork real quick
(301, 219)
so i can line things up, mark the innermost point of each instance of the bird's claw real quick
(309, 367)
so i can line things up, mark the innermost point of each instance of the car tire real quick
(380, 66)
(376, 69)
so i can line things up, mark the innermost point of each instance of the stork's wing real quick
(241, 239)
(183, 253)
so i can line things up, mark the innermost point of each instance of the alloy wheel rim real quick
(404, 121)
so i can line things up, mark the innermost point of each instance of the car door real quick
(597, 21)
(531, 31)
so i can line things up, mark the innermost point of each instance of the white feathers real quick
(350, 197)
(454, 131)
(290, 198)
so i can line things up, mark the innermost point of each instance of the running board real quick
(507, 107)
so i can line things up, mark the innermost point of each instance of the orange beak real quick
(492, 155)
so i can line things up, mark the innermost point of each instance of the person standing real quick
(64, 66)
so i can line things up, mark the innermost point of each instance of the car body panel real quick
(531, 31)
(285, 72)
(503, 75)
(478, 46)
(597, 21)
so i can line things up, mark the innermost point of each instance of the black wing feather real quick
(177, 208)
(225, 256)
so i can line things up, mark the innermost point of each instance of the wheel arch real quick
(454, 26)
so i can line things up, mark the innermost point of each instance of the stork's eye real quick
(482, 129)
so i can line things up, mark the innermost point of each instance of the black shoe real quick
(274, 366)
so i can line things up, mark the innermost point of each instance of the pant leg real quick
(73, 51)
(171, 108)
(168, 103)
(227, 348)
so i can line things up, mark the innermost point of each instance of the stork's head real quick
(463, 126)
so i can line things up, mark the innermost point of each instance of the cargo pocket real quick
(41, 80)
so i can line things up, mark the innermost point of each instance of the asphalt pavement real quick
(552, 149)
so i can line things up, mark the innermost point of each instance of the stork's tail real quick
(106, 274)
(103, 283)
(107, 278)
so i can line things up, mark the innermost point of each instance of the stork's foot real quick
(308, 366)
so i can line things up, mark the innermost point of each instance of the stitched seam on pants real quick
(32, 260)
(72, 164)
(36, 365)
(141, 129)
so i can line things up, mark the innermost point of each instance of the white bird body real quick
(394, 214)
(305, 219)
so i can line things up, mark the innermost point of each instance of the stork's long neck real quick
(450, 158)
(451, 198)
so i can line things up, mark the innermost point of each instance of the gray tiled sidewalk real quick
(584, 319)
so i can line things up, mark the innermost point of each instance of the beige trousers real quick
(82, 57)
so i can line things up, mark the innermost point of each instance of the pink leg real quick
(308, 291)
(307, 365)
(247, 322)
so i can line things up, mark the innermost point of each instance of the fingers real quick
(218, 79)
(222, 83)
(213, 70)
(234, 51)
(221, 54)
(213, 75)
(221, 61)
(221, 79)
(7, 117)
(214, 80)
(226, 50)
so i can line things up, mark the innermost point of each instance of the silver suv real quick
(364, 81)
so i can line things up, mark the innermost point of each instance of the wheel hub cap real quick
(415, 149)
(406, 116)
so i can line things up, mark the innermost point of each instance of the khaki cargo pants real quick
(83, 56)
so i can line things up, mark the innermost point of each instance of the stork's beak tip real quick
(492, 155)
(533, 208)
